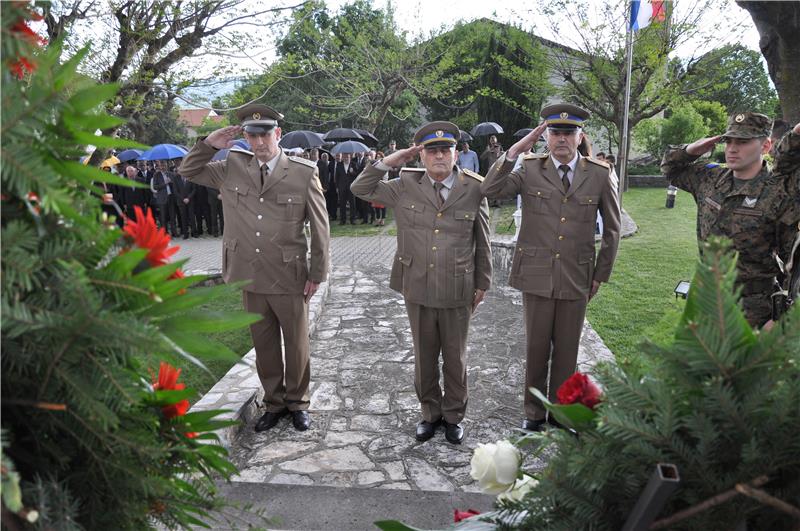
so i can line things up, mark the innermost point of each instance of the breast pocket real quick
(588, 206)
(539, 199)
(414, 213)
(233, 194)
(465, 220)
(293, 206)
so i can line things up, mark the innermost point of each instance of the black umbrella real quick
(301, 139)
(350, 146)
(369, 139)
(486, 129)
(342, 133)
(523, 132)
(464, 136)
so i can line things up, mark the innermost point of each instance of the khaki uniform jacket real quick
(444, 255)
(263, 239)
(555, 254)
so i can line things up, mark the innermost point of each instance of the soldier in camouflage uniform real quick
(745, 202)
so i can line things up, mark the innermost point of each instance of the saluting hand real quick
(527, 142)
(704, 145)
(223, 138)
(402, 156)
(796, 129)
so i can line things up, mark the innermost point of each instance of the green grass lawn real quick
(638, 302)
(237, 340)
(503, 218)
(359, 229)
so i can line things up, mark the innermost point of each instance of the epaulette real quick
(409, 168)
(478, 177)
(237, 149)
(531, 156)
(301, 160)
(598, 162)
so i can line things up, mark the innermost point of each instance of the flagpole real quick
(623, 166)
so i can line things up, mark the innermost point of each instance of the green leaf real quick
(124, 263)
(87, 175)
(172, 396)
(210, 321)
(576, 416)
(68, 69)
(92, 97)
(193, 346)
(191, 299)
(92, 122)
(395, 525)
(106, 141)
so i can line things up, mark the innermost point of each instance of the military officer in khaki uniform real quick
(554, 264)
(745, 201)
(443, 264)
(267, 198)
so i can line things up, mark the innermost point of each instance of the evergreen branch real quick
(123, 286)
(111, 379)
(766, 499)
(57, 357)
(721, 498)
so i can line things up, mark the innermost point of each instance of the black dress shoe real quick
(301, 420)
(454, 433)
(533, 425)
(269, 419)
(425, 429)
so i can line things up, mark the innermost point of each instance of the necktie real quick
(439, 197)
(564, 169)
(264, 174)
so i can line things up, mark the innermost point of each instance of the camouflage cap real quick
(748, 125)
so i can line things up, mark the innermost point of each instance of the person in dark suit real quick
(132, 196)
(332, 194)
(201, 209)
(161, 186)
(346, 173)
(322, 168)
(216, 221)
(185, 192)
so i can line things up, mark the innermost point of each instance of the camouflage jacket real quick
(759, 217)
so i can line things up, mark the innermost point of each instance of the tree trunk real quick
(778, 24)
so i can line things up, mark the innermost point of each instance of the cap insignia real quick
(739, 118)
(440, 133)
(564, 115)
(256, 116)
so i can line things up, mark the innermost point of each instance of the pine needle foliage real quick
(721, 403)
(80, 307)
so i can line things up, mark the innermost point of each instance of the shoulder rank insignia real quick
(598, 162)
(237, 149)
(301, 160)
(478, 177)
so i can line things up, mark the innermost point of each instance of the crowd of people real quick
(183, 208)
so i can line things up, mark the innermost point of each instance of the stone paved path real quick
(362, 396)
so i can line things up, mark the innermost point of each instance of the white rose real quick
(494, 466)
(519, 490)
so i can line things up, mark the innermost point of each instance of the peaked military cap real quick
(258, 118)
(564, 116)
(748, 125)
(435, 134)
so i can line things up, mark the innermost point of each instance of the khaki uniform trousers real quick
(552, 326)
(285, 379)
(444, 330)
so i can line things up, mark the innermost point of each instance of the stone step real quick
(304, 507)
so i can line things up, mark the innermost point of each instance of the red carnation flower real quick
(168, 381)
(22, 66)
(463, 515)
(580, 389)
(146, 235)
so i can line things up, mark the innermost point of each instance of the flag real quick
(643, 12)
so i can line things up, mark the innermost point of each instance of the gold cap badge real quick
(739, 118)
(440, 133)
(564, 115)
(256, 116)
